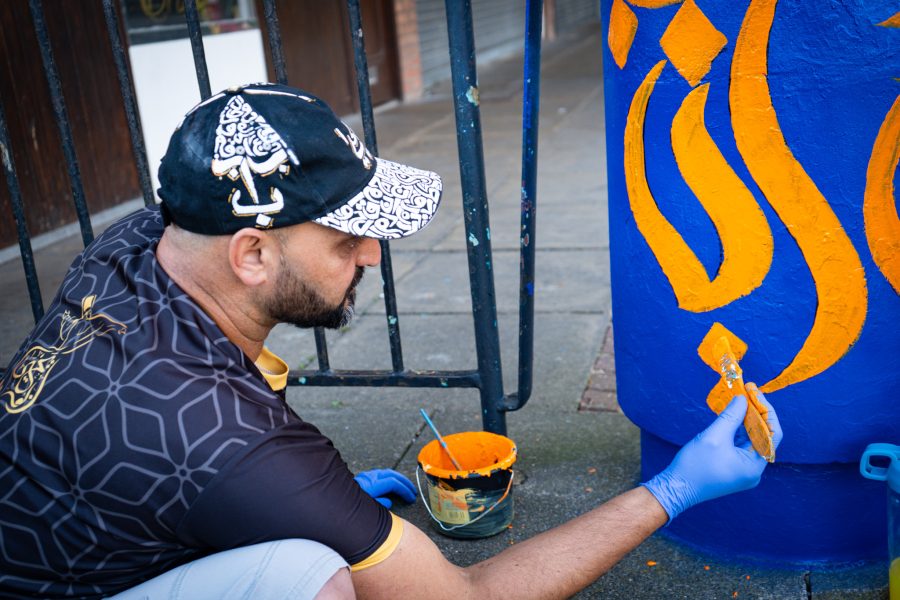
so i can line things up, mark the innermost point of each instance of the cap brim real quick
(398, 201)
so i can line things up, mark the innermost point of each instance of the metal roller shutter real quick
(499, 31)
(575, 13)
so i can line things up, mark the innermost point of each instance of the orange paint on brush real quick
(716, 351)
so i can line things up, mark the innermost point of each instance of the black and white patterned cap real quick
(266, 155)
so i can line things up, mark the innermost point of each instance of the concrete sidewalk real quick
(570, 460)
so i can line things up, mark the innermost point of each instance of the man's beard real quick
(298, 304)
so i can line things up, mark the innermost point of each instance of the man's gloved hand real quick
(711, 465)
(378, 483)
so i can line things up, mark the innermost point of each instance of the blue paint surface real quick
(831, 76)
(825, 516)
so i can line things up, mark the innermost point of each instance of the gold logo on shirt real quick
(28, 376)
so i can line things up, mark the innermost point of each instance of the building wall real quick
(499, 30)
(572, 14)
(498, 24)
(406, 26)
(166, 84)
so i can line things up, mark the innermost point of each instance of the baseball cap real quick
(267, 155)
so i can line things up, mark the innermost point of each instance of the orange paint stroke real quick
(891, 22)
(622, 28)
(692, 42)
(653, 3)
(747, 242)
(833, 262)
(879, 208)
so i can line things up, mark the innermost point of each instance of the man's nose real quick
(369, 253)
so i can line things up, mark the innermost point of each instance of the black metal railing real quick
(487, 375)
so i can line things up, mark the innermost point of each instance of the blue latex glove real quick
(712, 464)
(378, 483)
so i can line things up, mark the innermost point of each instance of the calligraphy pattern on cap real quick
(399, 200)
(246, 145)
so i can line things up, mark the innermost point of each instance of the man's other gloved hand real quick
(378, 483)
(711, 465)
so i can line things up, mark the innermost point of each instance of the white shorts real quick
(282, 569)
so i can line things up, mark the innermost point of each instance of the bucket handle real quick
(444, 527)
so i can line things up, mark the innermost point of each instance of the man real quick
(145, 446)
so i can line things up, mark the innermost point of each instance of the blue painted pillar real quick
(752, 156)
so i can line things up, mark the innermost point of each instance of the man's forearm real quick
(563, 560)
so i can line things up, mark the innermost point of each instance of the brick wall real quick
(408, 56)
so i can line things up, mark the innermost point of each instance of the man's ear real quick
(253, 256)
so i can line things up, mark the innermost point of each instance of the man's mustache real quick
(351, 289)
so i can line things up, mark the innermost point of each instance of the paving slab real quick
(447, 342)
(557, 478)
(566, 281)
(579, 223)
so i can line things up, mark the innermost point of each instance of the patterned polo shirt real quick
(135, 437)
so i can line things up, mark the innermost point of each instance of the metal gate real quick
(486, 375)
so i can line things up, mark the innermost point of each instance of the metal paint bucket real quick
(474, 502)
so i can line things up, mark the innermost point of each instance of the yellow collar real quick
(273, 369)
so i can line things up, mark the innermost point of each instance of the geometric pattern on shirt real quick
(97, 473)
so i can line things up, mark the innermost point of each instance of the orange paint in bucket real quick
(476, 501)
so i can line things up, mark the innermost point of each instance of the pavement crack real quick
(410, 444)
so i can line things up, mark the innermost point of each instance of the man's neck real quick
(216, 295)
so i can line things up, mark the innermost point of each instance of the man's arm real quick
(563, 560)
(554, 564)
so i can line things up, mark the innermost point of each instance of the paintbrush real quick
(721, 350)
(440, 440)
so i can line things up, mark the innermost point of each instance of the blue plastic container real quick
(889, 470)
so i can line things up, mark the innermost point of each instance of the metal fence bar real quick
(15, 197)
(475, 209)
(488, 376)
(128, 99)
(193, 22)
(62, 120)
(322, 349)
(530, 115)
(274, 35)
(417, 379)
(368, 119)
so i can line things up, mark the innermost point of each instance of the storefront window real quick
(161, 20)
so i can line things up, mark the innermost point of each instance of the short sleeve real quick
(289, 483)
